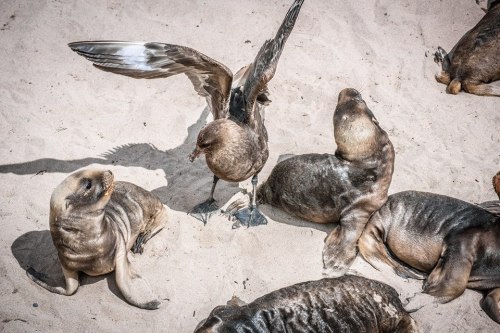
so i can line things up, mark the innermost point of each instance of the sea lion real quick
(345, 188)
(455, 243)
(235, 143)
(94, 222)
(474, 62)
(346, 304)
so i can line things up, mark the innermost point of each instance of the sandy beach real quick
(60, 114)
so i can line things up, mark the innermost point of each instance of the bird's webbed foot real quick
(204, 210)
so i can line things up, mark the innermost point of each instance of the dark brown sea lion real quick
(474, 62)
(455, 242)
(94, 222)
(346, 304)
(345, 188)
(235, 143)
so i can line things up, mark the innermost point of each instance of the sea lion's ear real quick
(235, 301)
(67, 203)
(375, 121)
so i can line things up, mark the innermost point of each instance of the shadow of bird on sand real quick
(188, 183)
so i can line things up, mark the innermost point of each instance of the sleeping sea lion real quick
(455, 243)
(235, 143)
(94, 222)
(345, 188)
(474, 62)
(346, 304)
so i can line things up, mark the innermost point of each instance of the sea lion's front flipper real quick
(70, 277)
(133, 287)
(489, 304)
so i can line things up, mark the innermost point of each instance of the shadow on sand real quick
(35, 249)
(180, 173)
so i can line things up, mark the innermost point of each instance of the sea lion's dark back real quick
(315, 180)
(477, 54)
(346, 304)
(433, 213)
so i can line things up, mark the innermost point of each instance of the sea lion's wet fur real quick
(345, 304)
(94, 222)
(474, 62)
(455, 242)
(345, 188)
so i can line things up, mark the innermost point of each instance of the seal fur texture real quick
(94, 222)
(454, 243)
(345, 188)
(474, 62)
(346, 304)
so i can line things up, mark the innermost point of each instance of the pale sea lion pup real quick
(94, 222)
(455, 242)
(235, 143)
(346, 304)
(345, 188)
(474, 62)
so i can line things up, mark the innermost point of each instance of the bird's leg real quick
(250, 216)
(203, 210)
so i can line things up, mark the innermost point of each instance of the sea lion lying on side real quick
(345, 188)
(94, 222)
(474, 63)
(455, 242)
(346, 304)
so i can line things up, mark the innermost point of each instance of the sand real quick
(59, 114)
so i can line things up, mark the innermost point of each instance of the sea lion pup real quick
(345, 188)
(455, 242)
(474, 62)
(346, 304)
(94, 222)
(235, 143)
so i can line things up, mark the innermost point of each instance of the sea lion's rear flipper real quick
(372, 248)
(482, 89)
(442, 59)
(133, 287)
(449, 278)
(489, 304)
(71, 278)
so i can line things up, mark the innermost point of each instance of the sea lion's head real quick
(221, 319)
(356, 130)
(83, 192)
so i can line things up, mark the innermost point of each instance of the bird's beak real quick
(196, 152)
